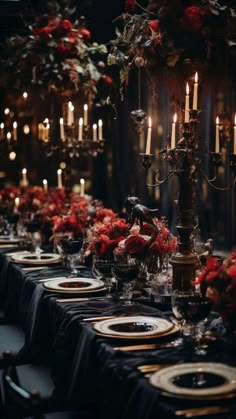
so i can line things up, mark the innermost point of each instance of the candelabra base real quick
(184, 268)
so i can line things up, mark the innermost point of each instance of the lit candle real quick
(8, 136)
(82, 186)
(85, 115)
(149, 136)
(59, 178)
(25, 95)
(70, 114)
(186, 112)
(24, 177)
(95, 137)
(15, 130)
(195, 92)
(100, 134)
(2, 130)
(217, 145)
(62, 131)
(80, 133)
(45, 185)
(235, 134)
(17, 202)
(47, 131)
(173, 131)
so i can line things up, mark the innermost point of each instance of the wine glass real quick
(36, 243)
(125, 275)
(193, 308)
(71, 248)
(103, 268)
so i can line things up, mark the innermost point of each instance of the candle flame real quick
(100, 122)
(59, 172)
(196, 77)
(217, 120)
(8, 135)
(25, 95)
(235, 119)
(24, 171)
(149, 122)
(175, 118)
(81, 121)
(94, 127)
(45, 182)
(187, 89)
(61, 121)
(70, 105)
(82, 181)
(15, 124)
(2, 125)
(85, 107)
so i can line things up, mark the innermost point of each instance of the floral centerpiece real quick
(57, 53)
(218, 282)
(166, 34)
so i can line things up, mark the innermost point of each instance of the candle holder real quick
(71, 143)
(185, 161)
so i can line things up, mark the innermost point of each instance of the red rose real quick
(85, 33)
(135, 245)
(63, 49)
(66, 25)
(108, 80)
(192, 19)
(43, 33)
(154, 24)
(130, 5)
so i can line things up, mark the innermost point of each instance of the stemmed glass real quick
(71, 248)
(125, 275)
(103, 269)
(192, 307)
(36, 243)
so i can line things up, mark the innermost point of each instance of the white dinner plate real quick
(201, 380)
(8, 239)
(134, 327)
(33, 259)
(74, 285)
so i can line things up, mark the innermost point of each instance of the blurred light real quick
(62, 165)
(26, 129)
(12, 155)
(7, 111)
(8, 135)
(25, 95)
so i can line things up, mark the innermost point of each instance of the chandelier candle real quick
(85, 115)
(100, 134)
(80, 130)
(186, 111)
(149, 136)
(59, 179)
(195, 92)
(62, 131)
(217, 145)
(173, 132)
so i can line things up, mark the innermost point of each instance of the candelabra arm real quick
(210, 182)
(160, 182)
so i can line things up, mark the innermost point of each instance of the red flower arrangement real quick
(57, 53)
(218, 282)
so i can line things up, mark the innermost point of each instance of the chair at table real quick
(12, 338)
(21, 400)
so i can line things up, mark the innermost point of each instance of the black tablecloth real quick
(85, 368)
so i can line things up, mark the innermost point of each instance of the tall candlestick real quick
(15, 130)
(235, 134)
(80, 132)
(95, 137)
(195, 92)
(59, 179)
(85, 115)
(62, 131)
(45, 185)
(24, 177)
(82, 187)
(173, 131)
(186, 112)
(100, 134)
(217, 144)
(70, 114)
(149, 136)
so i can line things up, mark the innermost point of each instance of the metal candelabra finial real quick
(185, 161)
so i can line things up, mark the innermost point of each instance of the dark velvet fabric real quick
(85, 369)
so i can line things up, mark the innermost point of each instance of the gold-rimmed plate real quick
(75, 285)
(134, 327)
(197, 381)
(8, 240)
(35, 259)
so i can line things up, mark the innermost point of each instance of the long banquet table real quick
(86, 370)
